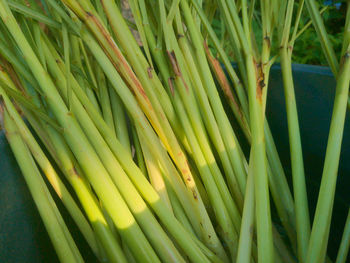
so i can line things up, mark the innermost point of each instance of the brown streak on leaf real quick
(149, 71)
(194, 194)
(173, 62)
(260, 80)
(220, 75)
(171, 85)
(122, 63)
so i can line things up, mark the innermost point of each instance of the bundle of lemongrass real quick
(142, 137)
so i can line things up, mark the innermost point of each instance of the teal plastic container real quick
(23, 238)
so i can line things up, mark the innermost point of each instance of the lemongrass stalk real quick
(328, 183)
(201, 189)
(130, 257)
(154, 173)
(16, 63)
(344, 243)
(176, 207)
(141, 118)
(210, 124)
(282, 252)
(41, 133)
(298, 175)
(259, 166)
(32, 177)
(135, 174)
(307, 25)
(246, 232)
(116, 82)
(81, 7)
(60, 220)
(138, 151)
(66, 52)
(105, 101)
(279, 186)
(126, 163)
(93, 212)
(153, 89)
(65, 17)
(231, 98)
(51, 175)
(263, 216)
(346, 40)
(154, 113)
(181, 216)
(120, 122)
(277, 178)
(198, 126)
(37, 33)
(113, 143)
(84, 152)
(228, 66)
(326, 44)
(163, 67)
(29, 12)
(323, 36)
(147, 221)
(215, 197)
(134, 6)
(49, 171)
(194, 116)
(235, 40)
(77, 61)
(90, 93)
(229, 137)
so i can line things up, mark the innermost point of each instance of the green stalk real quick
(125, 158)
(105, 101)
(210, 124)
(329, 177)
(183, 85)
(138, 151)
(299, 185)
(91, 208)
(228, 135)
(120, 122)
(51, 175)
(277, 179)
(84, 152)
(231, 98)
(90, 92)
(247, 226)
(235, 40)
(298, 175)
(279, 186)
(36, 187)
(153, 144)
(345, 242)
(263, 215)
(307, 25)
(154, 173)
(152, 110)
(214, 195)
(147, 221)
(323, 36)
(16, 63)
(34, 14)
(163, 67)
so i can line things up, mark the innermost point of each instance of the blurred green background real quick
(307, 49)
